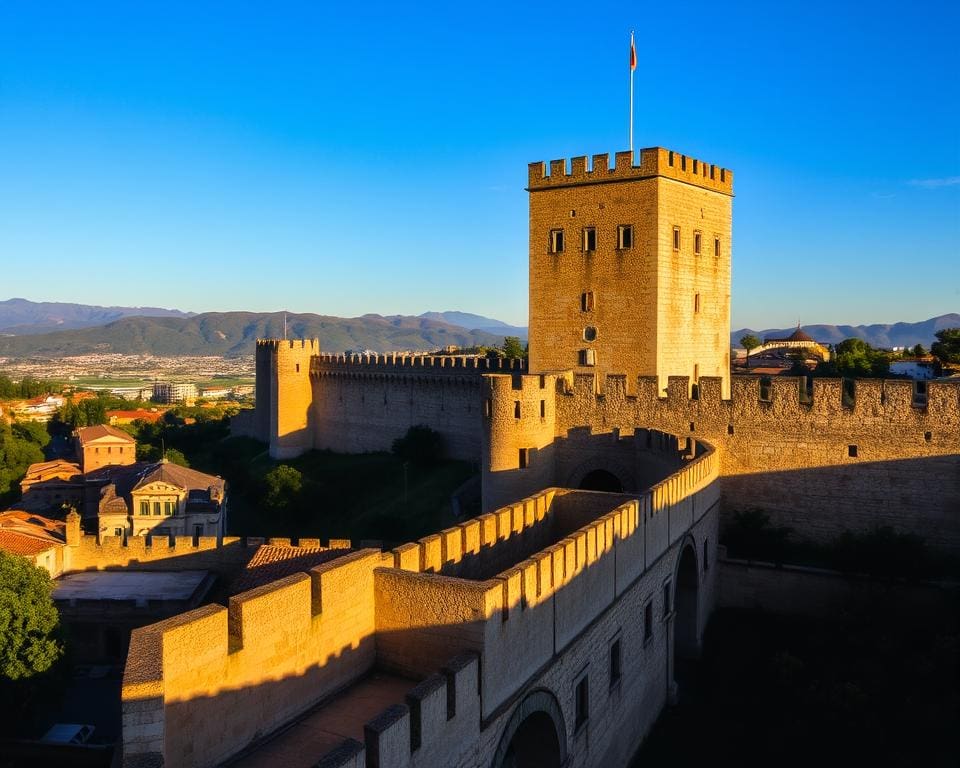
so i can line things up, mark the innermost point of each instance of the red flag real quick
(633, 54)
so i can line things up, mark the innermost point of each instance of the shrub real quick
(421, 445)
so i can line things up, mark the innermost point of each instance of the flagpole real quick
(632, 49)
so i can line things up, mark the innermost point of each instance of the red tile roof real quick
(27, 534)
(102, 430)
(272, 562)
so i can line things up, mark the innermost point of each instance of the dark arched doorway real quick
(685, 634)
(535, 736)
(534, 745)
(601, 480)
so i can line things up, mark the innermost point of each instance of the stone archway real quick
(601, 480)
(535, 736)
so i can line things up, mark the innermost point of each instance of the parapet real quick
(654, 161)
(422, 364)
(309, 345)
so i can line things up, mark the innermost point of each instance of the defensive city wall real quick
(567, 605)
(815, 460)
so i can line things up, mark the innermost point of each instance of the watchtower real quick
(630, 266)
(284, 402)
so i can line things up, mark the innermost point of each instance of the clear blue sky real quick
(352, 158)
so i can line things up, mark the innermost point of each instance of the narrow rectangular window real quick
(298, 367)
(543, 409)
(616, 668)
(488, 407)
(586, 301)
(696, 303)
(168, 508)
(556, 241)
(516, 409)
(697, 241)
(156, 508)
(694, 166)
(852, 451)
(588, 357)
(118, 532)
(716, 247)
(683, 162)
(589, 239)
(523, 458)
(670, 160)
(713, 174)
(582, 703)
(666, 599)
(676, 238)
(625, 236)
(648, 622)
(144, 507)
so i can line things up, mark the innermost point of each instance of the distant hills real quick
(50, 329)
(879, 335)
(478, 323)
(20, 316)
(230, 334)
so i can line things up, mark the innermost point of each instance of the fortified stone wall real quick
(200, 687)
(363, 403)
(811, 462)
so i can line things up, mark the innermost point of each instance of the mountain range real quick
(26, 330)
(231, 334)
(879, 335)
(21, 316)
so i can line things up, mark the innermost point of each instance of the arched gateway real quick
(686, 637)
(535, 736)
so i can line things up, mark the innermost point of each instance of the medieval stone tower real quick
(630, 267)
(284, 401)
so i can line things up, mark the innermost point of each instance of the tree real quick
(421, 445)
(28, 619)
(16, 454)
(919, 351)
(512, 348)
(947, 346)
(31, 431)
(176, 457)
(283, 484)
(749, 341)
(854, 357)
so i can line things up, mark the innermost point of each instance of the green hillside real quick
(235, 333)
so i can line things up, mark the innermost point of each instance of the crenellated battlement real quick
(403, 363)
(894, 399)
(654, 161)
(310, 345)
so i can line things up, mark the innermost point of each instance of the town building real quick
(174, 392)
(104, 446)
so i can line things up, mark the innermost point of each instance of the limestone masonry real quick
(544, 632)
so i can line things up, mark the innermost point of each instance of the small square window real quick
(716, 247)
(556, 241)
(666, 599)
(524, 457)
(588, 357)
(676, 238)
(589, 239)
(648, 622)
(729, 429)
(928, 436)
(616, 662)
(697, 241)
(852, 451)
(625, 236)
(581, 703)
(118, 532)
(586, 301)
